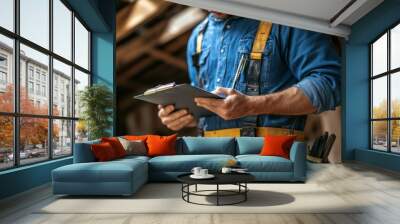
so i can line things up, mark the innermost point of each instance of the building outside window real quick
(38, 89)
(3, 60)
(30, 87)
(385, 91)
(3, 72)
(43, 90)
(44, 77)
(57, 127)
(30, 72)
(3, 81)
(37, 75)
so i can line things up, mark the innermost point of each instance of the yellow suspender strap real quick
(199, 42)
(263, 32)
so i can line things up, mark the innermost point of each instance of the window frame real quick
(388, 74)
(16, 114)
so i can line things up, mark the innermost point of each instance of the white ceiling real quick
(320, 8)
(327, 16)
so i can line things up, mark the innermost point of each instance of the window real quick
(6, 142)
(81, 45)
(49, 80)
(44, 91)
(7, 14)
(62, 74)
(3, 78)
(62, 30)
(35, 21)
(30, 88)
(3, 61)
(38, 89)
(30, 72)
(385, 91)
(6, 73)
(62, 137)
(38, 74)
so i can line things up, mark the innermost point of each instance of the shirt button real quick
(228, 26)
(218, 80)
(222, 50)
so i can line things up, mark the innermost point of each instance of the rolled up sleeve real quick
(315, 62)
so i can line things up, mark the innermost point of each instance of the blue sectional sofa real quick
(125, 176)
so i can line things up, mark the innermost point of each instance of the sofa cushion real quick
(249, 145)
(116, 145)
(161, 145)
(116, 170)
(135, 147)
(199, 146)
(277, 145)
(103, 152)
(185, 163)
(257, 163)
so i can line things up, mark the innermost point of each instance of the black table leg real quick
(217, 194)
(188, 190)
(196, 187)
(245, 193)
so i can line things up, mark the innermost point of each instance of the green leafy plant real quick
(96, 103)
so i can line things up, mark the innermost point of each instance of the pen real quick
(239, 70)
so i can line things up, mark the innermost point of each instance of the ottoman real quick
(119, 177)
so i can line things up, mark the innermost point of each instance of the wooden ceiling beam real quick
(134, 49)
(131, 71)
(162, 33)
(137, 13)
(168, 58)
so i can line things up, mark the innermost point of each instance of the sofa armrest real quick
(298, 157)
(83, 153)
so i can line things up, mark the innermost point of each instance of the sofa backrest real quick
(198, 145)
(249, 145)
(190, 146)
(83, 152)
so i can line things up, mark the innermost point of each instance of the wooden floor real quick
(379, 189)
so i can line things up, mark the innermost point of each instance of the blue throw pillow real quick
(249, 145)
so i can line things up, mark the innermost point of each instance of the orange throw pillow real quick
(103, 152)
(161, 145)
(116, 145)
(277, 145)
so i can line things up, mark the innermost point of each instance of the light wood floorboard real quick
(377, 189)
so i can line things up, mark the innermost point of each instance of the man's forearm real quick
(291, 101)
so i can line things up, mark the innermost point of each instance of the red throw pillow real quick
(136, 137)
(161, 145)
(277, 145)
(116, 145)
(103, 152)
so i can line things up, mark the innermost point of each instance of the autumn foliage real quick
(33, 131)
(380, 127)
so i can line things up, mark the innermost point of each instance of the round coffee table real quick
(238, 179)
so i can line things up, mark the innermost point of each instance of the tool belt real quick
(258, 132)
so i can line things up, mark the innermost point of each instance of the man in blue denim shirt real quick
(299, 75)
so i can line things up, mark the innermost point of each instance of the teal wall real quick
(103, 54)
(99, 15)
(24, 178)
(356, 83)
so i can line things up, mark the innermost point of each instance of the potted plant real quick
(96, 104)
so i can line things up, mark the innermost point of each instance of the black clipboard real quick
(182, 97)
